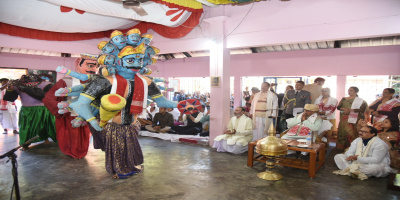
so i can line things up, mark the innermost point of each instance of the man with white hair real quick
(264, 107)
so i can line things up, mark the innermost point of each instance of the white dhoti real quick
(8, 120)
(377, 170)
(222, 146)
(260, 127)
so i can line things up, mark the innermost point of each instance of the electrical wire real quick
(252, 5)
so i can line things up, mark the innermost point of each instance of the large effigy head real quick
(118, 39)
(87, 64)
(107, 59)
(146, 39)
(133, 37)
(149, 53)
(108, 48)
(132, 57)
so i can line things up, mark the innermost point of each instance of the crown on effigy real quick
(116, 33)
(88, 56)
(156, 50)
(133, 31)
(101, 44)
(150, 36)
(129, 50)
(101, 59)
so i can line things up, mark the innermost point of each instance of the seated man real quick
(303, 123)
(238, 135)
(367, 156)
(175, 113)
(162, 121)
(205, 121)
(194, 125)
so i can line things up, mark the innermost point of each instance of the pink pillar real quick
(238, 91)
(219, 67)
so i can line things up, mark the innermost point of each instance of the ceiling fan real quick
(134, 5)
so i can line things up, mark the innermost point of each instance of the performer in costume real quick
(73, 141)
(8, 110)
(123, 152)
(34, 118)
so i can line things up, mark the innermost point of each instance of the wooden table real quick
(312, 165)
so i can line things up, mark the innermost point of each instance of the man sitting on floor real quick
(367, 156)
(238, 135)
(194, 125)
(162, 121)
(303, 123)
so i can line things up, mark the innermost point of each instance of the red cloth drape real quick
(72, 141)
(168, 32)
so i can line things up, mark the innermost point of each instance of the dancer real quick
(34, 118)
(123, 152)
(73, 141)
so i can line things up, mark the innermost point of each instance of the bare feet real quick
(115, 176)
(25, 148)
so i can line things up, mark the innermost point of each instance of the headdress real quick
(116, 33)
(88, 56)
(311, 107)
(129, 50)
(156, 50)
(101, 59)
(133, 31)
(101, 44)
(150, 36)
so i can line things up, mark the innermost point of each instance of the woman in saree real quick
(385, 107)
(327, 107)
(352, 109)
(390, 134)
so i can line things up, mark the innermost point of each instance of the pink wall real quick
(34, 62)
(347, 61)
(13, 60)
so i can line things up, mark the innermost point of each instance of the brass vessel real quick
(271, 147)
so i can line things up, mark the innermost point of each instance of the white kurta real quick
(235, 143)
(175, 112)
(376, 163)
(313, 122)
(261, 125)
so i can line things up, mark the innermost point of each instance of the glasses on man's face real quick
(360, 131)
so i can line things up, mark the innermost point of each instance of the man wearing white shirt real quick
(194, 125)
(303, 123)
(238, 135)
(263, 109)
(367, 156)
(174, 112)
